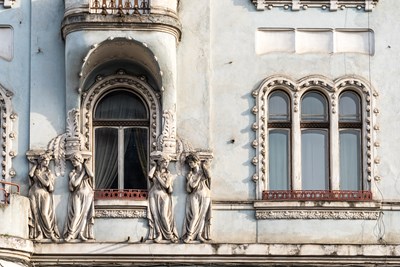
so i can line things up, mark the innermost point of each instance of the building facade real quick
(167, 132)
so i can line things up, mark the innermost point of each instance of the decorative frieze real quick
(332, 5)
(120, 213)
(317, 214)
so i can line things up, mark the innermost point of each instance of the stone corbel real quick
(9, 3)
(66, 144)
(369, 5)
(260, 5)
(168, 137)
(333, 5)
(296, 5)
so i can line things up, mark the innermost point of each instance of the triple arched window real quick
(313, 139)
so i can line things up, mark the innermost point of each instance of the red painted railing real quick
(120, 7)
(6, 193)
(133, 194)
(316, 195)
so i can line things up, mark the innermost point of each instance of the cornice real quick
(317, 215)
(126, 253)
(154, 22)
(332, 5)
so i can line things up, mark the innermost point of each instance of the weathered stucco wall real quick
(209, 77)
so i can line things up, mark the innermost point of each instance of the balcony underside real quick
(152, 22)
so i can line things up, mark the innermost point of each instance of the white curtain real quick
(314, 159)
(350, 160)
(279, 160)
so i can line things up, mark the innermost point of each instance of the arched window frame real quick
(332, 90)
(7, 133)
(135, 84)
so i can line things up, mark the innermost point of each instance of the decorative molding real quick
(153, 22)
(7, 117)
(136, 83)
(317, 215)
(332, 5)
(167, 139)
(120, 213)
(67, 143)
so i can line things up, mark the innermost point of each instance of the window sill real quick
(317, 195)
(120, 207)
(318, 210)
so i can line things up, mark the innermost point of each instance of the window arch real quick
(330, 129)
(121, 134)
(314, 141)
(121, 121)
(279, 125)
(350, 130)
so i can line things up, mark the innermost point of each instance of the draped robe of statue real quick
(198, 205)
(80, 214)
(43, 223)
(160, 215)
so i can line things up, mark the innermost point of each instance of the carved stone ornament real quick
(42, 220)
(67, 143)
(7, 134)
(198, 201)
(317, 215)
(332, 5)
(167, 140)
(80, 212)
(160, 209)
(120, 213)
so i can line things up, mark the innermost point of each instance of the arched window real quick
(314, 139)
(314, 142)
(279, 140)
(350, 127)
(121, 140)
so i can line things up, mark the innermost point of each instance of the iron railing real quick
(4, 194)
(132, 194)
(120, 7)
(316, 195)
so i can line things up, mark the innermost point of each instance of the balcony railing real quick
(120, 7)
(4, 194)
(317, 195)
(132, 194)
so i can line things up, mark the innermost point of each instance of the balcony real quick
(120, 7)
(332, 5)
(121, 15)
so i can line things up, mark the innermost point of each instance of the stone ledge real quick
(15, 248)
(319, 210)
(94, 254)
(85, 21)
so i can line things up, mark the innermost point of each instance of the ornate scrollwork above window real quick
(332, 5)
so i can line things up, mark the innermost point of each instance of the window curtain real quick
(278, 160)
(314, 107)
(117, 105)
(350, 160)
(121, 105)
(314, 160)
(106, 158)
(135, 158)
